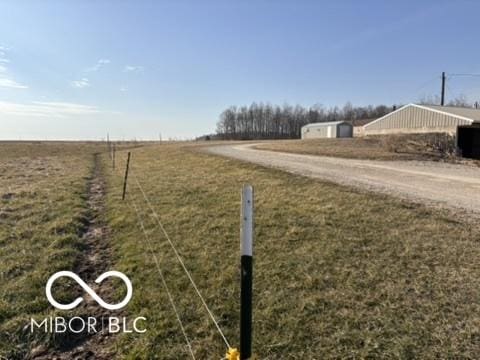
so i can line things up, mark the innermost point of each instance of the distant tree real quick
(266, 121)
(459, 101)
(429, 100)
(348, 111)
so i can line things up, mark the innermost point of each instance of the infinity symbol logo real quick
(89, 290)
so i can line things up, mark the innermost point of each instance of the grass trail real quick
(43, 212)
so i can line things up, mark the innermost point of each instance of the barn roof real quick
(360, 122)
(329, 123)
(469, 114)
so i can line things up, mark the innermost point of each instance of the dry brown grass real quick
(379, 147)
(338, 273)
(42, 212)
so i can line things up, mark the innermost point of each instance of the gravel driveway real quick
(450, 185)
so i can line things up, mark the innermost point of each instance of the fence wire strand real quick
(179, 258)
(141, 224)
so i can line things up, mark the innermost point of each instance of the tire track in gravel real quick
(451, 186)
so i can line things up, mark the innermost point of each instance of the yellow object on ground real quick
(232, 354)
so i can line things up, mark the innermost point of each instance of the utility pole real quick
(442, 102)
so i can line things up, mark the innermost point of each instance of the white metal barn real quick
(414, 118)
(334, 129)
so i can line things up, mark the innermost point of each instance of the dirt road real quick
(450, 185)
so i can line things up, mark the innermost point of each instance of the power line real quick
(415, 94)
(465, 74)
(452, 93)
(426, 83)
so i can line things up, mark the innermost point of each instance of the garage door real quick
(344, 131)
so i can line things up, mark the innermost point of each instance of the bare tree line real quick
(266, 121)
(459, 101)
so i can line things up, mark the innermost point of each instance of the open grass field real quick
(374, 147)
(338, 273)
(43, 216)
(42, 213)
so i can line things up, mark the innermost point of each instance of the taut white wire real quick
(180, 260)
(147, 241)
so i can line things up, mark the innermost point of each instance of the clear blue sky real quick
(77, 69)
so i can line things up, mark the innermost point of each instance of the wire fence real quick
(165, 286)
(134, 206)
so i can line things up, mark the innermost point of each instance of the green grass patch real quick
(338, 273)
(42, 214)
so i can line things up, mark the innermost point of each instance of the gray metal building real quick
(414, 118)
(335, 129)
